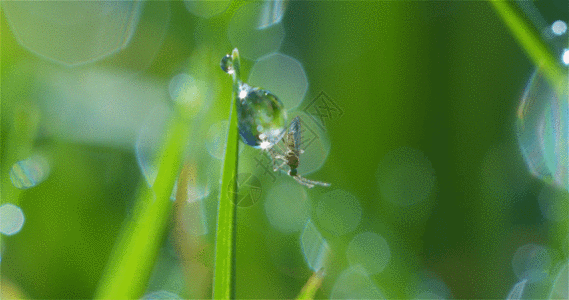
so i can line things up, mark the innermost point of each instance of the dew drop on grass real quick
(29, 172)
(531, 262)
(369, 250)
(11, 219)
(261, 115)
(314, 247)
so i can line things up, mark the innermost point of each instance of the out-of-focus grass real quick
(133, 258)
(533, 45)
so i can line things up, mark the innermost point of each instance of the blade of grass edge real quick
(311, 286)
(133, 258)
(531, 42)
(223, 279)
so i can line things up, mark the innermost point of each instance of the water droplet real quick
(560, 288)
(227, 64)
(531, 262)
(12, 219)
(543, 131)
(314, 247)
(261, 115)
(29, 172)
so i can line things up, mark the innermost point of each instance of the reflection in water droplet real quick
(406, 177)
(554, 203)
(243, 32)
(314, 247)
(29, 172)
(11, 219)
(543, 131)
(369, 250)
(206, 9)
(259, 109)
(531, 262)
(287, 206)
(517, 291)
(160, 295)
(338, 212)
(227, 64)
(261, 115)
(565, 56)
(354, 283)
(272, 13)
(282, 75)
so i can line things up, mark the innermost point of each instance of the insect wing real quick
(294, 133)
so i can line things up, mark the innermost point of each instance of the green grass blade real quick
(133, 258)
(223, 280)
(311, 286)
(532, 43)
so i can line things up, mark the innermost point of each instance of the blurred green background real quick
(426, 89)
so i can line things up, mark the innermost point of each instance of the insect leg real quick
(311, 183)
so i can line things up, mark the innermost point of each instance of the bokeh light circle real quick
(30, 172)
(531, 262)
(283, 75)
(354, 283)
(369, 250)
(11, 219)
(73, 32)
(287, 206)
(244, 32)
(338, 212)
(406, 177)
(559, 27)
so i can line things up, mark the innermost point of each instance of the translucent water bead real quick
(261, 115)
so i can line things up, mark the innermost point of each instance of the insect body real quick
(291, 155)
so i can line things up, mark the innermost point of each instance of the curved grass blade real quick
(224, 275)
(311, 286)
(560, 288)
(531, 42)
(132, 260)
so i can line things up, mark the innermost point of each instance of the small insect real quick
(291, 156)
